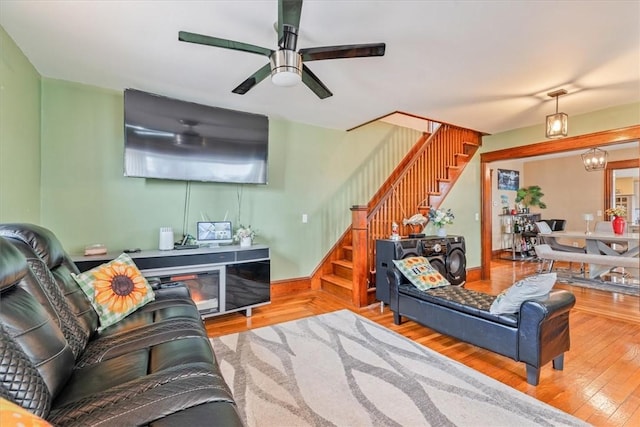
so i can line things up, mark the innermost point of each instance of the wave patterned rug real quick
(341, 369)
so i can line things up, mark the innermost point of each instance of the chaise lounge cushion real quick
(115, 289)
(463, 300)
(530, 288)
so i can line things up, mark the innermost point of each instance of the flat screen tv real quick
(167, 138)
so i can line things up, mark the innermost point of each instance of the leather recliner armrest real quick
(172, 290)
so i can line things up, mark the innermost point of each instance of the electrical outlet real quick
(599, 213)
(477, 216)
(305, 218)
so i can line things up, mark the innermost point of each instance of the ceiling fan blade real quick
(346, 51)
(288, 14)
(314, 83)
(185, 36)
(256, 78)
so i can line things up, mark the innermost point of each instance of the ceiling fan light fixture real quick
(286, 68)
(558, 123)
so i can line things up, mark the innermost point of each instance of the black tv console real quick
(221, 280)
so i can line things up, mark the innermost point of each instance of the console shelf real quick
(519, 234)
(221, 280)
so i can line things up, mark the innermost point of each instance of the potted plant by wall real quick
(440, 218)
(530, 196)
(244, 235)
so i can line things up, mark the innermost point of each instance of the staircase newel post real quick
(359, 253)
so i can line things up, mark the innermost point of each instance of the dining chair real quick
(556, 224)
(544, 231)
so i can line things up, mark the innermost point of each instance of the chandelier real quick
(594, 159)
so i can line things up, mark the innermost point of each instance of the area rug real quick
(341, 369)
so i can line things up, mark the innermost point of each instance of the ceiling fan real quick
(286, 65)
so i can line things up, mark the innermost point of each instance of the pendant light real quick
(558, 123)
(594, 159)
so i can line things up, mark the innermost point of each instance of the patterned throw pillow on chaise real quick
(420, 273)
(115, 289)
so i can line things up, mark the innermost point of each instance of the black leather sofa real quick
(536, 335)
(155, 367)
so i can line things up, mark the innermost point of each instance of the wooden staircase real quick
(339, 281)
(421, 180)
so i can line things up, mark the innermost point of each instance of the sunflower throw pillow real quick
(115, 289)
(420, 273)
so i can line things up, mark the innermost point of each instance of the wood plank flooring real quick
(600, 382)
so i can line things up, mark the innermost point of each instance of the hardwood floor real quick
(600, 382)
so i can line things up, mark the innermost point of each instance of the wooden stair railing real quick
(421, 180)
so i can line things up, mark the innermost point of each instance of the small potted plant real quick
(440, 218)
(244, 235)
(530, 196)
(618, 222)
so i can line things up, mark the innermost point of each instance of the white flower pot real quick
(245, 242)
(442, 232)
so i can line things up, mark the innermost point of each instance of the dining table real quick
(602, 243)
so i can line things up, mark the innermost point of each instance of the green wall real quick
(320, 172)
(19, 135)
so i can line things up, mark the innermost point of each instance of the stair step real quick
(470, 147)
(337, 286)
(343, 268)
(348, 252)
(338, 281)
(461, 159)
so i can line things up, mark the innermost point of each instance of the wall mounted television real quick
(167, 138)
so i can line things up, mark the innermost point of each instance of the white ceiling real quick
(485, 65)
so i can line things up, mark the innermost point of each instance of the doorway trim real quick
(596, 139)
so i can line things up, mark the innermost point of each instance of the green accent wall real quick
(19, 135)
(315, 171)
